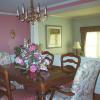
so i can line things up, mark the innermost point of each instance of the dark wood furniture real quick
(49, 57)
(6, 92)
(41, 85)
(96, 96)
(70, 60)
(4, 83)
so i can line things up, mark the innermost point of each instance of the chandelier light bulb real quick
(17, 12)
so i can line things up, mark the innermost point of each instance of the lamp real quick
(77, 48)
(32, 15)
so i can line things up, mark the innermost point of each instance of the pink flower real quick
(36, 56)
(20, 61)
(32, 47)
(27, 54)
(33, 68)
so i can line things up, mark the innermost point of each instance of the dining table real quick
(43, 80)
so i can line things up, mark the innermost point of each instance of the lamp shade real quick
(77, 45)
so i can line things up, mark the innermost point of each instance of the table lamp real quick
(77, 48)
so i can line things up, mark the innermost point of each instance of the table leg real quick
(41, 93)
(41, 96)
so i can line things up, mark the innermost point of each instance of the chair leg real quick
(1, 93)
(52, 94)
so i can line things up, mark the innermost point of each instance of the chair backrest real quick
(49, 57)
(5, 83)
(85, 80)
(70, 60)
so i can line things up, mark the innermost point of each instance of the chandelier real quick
(33, 15)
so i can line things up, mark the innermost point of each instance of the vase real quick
(32, 75)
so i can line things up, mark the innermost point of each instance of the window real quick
(90, 37)
(92, 44)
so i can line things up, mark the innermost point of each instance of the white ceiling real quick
(90, 7)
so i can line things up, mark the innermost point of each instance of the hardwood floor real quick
(96, 96)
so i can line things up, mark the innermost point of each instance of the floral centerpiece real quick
(29, 58)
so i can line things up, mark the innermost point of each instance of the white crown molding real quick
(4, 13)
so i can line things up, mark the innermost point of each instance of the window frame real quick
(83, 31)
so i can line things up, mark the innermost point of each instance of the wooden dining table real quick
(43, 81)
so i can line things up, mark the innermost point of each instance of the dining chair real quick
(48, 58)
(6, 93)
(83, 85)
(70, 60)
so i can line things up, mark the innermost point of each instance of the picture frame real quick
(53, 36)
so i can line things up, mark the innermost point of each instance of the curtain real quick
(83, 39)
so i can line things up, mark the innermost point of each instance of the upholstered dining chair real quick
(70, 60)
(6, 93)
(48, 58)
(83, 84)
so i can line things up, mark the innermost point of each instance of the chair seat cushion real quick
(58, 96)
(2, 88)
(4, 97)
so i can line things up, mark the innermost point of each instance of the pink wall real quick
(7, 24)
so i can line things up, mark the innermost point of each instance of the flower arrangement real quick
(28, 57)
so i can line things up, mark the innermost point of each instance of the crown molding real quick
(5, 13)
